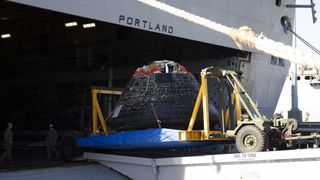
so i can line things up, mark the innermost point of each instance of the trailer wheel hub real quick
(249, 141)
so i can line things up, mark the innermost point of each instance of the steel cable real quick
(305, 42)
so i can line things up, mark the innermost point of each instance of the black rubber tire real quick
(251, 139)
(69, 149)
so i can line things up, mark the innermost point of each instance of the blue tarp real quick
(160, 138)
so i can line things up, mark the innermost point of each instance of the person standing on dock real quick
(51, 141)
(8, 140)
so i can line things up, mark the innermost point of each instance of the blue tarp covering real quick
(160, 138)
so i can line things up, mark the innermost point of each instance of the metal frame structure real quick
(96, 109)
(233, 96)
(255, 129)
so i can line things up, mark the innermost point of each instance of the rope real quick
(244, 35)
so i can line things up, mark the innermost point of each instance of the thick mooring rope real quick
(243, 35)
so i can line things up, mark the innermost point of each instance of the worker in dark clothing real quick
(8, 140)
(51, 141)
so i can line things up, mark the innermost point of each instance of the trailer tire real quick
(69, 150)
(251, 139)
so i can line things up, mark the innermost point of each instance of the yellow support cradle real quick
(96, 110)
(196, 135)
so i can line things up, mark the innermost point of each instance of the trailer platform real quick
(289, 164)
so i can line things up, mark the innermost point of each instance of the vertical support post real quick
(94, 112)
(195, 109)
(230, 114)
(237, 106)
(236, 99)
(222, 105)
(205, 105)
(294, 87)
(227, 117)
(99, 112)
(294, 112)
(110, 78)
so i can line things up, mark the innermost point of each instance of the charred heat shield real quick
(161, 94)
